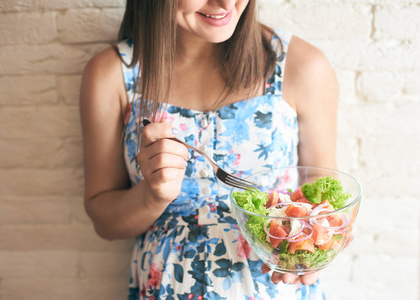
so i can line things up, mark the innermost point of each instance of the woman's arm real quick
(117, 211)
(311, 88)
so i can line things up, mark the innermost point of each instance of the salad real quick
(308, 233)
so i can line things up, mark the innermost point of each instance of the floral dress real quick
(195, 250)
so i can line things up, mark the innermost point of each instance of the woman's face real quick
(213, 21)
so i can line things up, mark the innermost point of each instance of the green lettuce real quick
(254, 201)
(305, 258)
(326, 188)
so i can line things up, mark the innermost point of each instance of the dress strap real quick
(130, 74)
(281, 51)
(280, 44)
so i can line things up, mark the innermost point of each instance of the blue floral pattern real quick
(195, 250)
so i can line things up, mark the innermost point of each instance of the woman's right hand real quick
(162, 161)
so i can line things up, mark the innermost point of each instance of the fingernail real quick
(186, 163)
(189, 156)
(175, 131)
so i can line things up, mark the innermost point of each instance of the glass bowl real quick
(293, 242)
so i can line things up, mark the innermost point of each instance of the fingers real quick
(165, 175)
(265, 269)
(276, 277)
(162, 160)
(167, 153)
(157, 131)
(164, 154)
(289, 278)
(158, 151)
(309, 278)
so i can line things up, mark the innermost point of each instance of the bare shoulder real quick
(103, 79)
(309, 77)
(105, 61)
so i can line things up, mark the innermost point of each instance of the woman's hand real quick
(290, 278)
(162, 161)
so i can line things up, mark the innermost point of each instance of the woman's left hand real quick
(290, 278)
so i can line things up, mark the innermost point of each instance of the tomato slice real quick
(327, 205)
(298, 196)
(277, 230)
(304, 200)
(273, 199)
(327, 245)
(296, 211)
(320, 235)
(335, 220)
(307, 245)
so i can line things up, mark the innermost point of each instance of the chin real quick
(217, 37)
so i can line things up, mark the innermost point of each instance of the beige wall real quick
(48, 249)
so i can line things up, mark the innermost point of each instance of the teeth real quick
(215, 17)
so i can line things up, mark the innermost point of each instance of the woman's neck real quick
(191, 49)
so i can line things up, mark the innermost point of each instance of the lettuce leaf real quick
(308, 259)
(326, 188)
(255, 226)
(254, 201)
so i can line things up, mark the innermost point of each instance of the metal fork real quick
(223, 176)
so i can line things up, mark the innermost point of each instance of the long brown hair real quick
(245, 59)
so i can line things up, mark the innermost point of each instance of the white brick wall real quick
(48, 248)
(89, 25)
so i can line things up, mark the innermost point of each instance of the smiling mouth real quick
(217, 17)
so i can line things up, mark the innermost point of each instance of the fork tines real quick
(235, 181)
(239, 183)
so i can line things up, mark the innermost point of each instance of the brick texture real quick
(48, 247)
(89, 25)
(18, 28)
(39, 90)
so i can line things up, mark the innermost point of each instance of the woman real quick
(207, 72)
